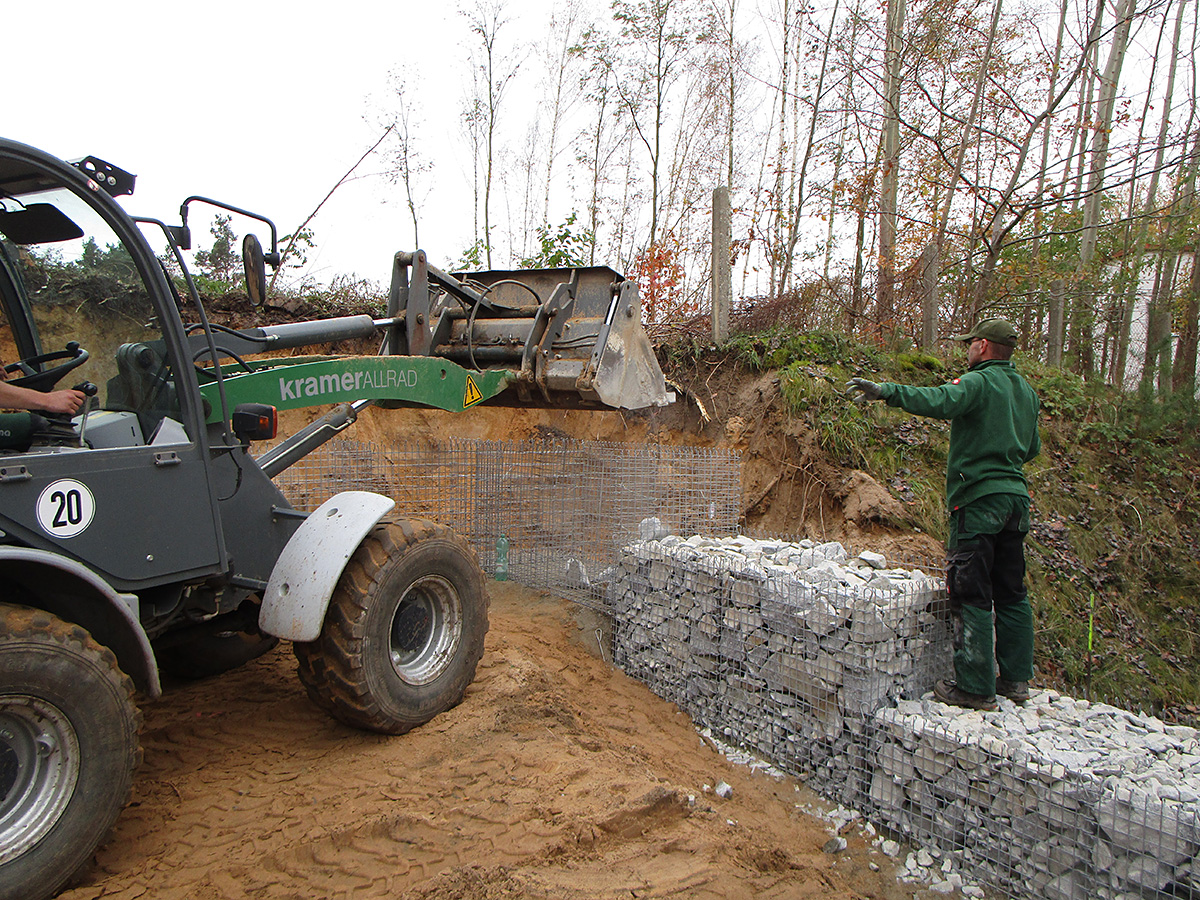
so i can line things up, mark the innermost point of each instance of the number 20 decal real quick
(65, 508)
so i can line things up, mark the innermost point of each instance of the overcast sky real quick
(261, 105)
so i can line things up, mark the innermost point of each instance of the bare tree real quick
(1084, 308)
(796, 204)
(492, 71)
(655, 37)
(1140, 229)
(601, 145)
(967, 135)
(1054, 335)
(559, 53)
(406, 164)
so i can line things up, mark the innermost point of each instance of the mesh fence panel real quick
(565, 506)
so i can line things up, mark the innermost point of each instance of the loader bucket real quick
(569, 337)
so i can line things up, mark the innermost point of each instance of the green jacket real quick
(993, 428)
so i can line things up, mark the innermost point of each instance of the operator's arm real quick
(65, 402)
(943, 402)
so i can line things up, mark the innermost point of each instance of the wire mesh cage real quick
(812, 657)
(822, 664)
(564, 506)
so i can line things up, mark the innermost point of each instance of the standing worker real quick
(993, 432)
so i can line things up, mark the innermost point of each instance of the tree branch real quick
(312, 215)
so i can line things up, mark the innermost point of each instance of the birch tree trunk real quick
(890, 171)
(1183, 377)
(1142, 229)
(1158, 324)
(1084, 314)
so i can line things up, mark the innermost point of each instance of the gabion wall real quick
(812, 659)
(1061, 798)
(818, 662)
(787, 649)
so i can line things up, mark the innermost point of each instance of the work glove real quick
(860, 390)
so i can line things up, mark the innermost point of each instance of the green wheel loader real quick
(144, 534)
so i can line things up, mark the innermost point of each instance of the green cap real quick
(999, 331)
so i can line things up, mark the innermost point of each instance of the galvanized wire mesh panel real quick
(565, 506)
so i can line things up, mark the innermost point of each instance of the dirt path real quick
(557, 777)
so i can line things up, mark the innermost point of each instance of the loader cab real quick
(66, 276)
(83, 299)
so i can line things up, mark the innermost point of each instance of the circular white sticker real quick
(65, 508)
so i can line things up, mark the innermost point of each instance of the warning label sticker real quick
(471, 394)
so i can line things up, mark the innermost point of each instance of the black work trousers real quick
(985, 577)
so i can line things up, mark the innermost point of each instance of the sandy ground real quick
(557, 777)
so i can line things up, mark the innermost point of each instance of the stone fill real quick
(1063, 798)
(785, 648)
(822, 662)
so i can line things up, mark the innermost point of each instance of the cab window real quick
(65, 271)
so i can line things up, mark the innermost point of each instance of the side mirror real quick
(255, 268)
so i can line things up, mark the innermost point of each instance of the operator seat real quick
(142, 385)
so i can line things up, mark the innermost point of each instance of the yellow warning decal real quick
(471, 395)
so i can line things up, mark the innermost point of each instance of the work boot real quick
(948, 692)
(1016, 691)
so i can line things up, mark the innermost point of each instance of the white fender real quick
(311, 563)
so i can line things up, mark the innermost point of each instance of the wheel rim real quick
(426, 629)
(39, 766)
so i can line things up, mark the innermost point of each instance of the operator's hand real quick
(860, 390)
(65, 402)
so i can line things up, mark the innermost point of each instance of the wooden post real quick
(1054, 327)
(930, 263)
(722, 281)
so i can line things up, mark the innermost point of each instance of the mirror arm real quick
(272, 258)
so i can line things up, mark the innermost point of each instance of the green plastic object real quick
(16, 431)
(502, 558)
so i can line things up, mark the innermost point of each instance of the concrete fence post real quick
(722, 282)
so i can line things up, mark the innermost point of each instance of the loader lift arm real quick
(541, 337)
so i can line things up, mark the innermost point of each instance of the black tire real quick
(68, 747)
(404, 631)
(212, 654)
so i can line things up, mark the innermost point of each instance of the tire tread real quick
(20, 624)
(332, 668)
